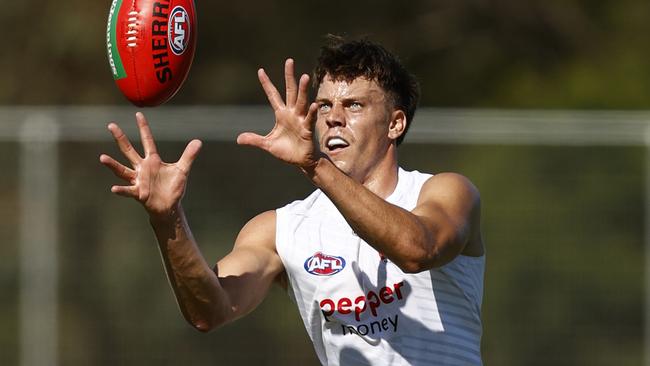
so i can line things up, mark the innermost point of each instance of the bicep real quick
(247, 272)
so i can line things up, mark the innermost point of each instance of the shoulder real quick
(315, 202)
(303, 204)
(460, 201)
(454, 186)
(259, 231)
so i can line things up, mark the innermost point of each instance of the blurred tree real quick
(488, 53)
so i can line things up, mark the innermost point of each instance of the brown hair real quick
(348, 60)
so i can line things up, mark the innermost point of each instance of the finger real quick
(271, 92)
(310, 118)
(146, 136)
(123, 143)
(142, 187)
(118, 169)
(252, 139)
(290, 82)
(303, 93)
(189, 155)
(125, 191)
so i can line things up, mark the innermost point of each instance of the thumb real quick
(252, 139)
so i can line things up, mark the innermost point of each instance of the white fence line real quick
(431, 125)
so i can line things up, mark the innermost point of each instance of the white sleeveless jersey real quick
(361, 309)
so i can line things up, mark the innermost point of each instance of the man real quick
(386, 266)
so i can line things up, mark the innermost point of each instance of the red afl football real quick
(150, 47)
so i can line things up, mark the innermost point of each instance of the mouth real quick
(336, 143)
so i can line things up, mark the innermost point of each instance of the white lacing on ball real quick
(132, 31)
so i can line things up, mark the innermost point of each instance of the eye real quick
(355, 106)
(324, 108)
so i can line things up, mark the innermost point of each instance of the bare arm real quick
(444, 224)
(206, 299)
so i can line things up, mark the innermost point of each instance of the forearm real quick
(393, 231)
(200, 296)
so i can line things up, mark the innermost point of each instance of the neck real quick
(381, 179)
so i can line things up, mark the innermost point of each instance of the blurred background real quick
(542, 104)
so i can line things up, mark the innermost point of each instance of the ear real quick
(397, 124)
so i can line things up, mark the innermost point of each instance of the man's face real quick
(353, 123)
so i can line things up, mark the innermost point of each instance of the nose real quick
(336, 116)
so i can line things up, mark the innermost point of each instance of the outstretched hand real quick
(291, 139)
(157, 185)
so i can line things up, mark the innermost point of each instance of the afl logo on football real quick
(321, 264)
(178, 30)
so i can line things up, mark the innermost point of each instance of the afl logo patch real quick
(321, 264)
(178, 30)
